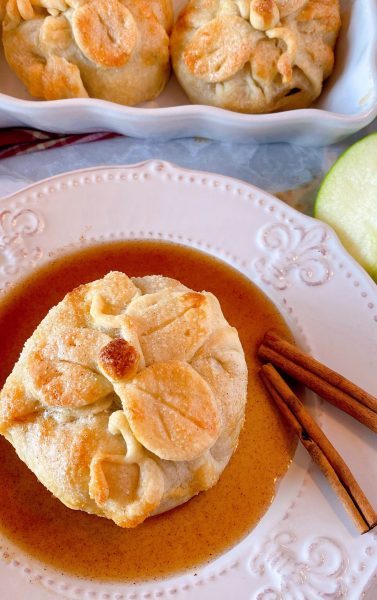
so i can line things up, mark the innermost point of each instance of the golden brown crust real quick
(209, 59)
(118, 359)
(61, 79)
(264, 14)
(128, 398)
(162, 317)
(105, 31)
(172, 411)
(163, 10)
(16, 406)
(255, 55)
(125, 497)
(117, 50)
(59, 383)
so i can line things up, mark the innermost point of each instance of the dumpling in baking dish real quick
(129, 397)
(255, 56)
(116, 50)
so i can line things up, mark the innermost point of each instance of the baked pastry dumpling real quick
(255, 56)
(129, 397)
(116, 50)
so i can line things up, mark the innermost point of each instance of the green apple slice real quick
(347, 200)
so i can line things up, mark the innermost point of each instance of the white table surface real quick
(291, 172)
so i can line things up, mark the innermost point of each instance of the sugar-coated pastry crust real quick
(172, 410)
(116, 50)
(255, 55)
(129, 397)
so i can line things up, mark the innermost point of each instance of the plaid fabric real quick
(20, 141)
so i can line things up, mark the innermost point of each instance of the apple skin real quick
(347, 201)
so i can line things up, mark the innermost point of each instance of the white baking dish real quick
(348, 102)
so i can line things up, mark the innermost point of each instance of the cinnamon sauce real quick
(207, 525)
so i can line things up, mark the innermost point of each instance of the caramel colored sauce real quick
(207, 525)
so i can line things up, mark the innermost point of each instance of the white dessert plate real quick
(304, 547)
(347, 104)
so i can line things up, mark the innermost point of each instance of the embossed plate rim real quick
(272, 557)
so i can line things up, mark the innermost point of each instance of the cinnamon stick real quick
(291, 351)
(328, 384)
(321, 450)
